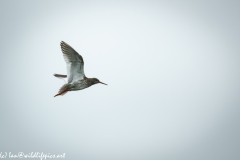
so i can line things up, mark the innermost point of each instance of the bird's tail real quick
(63, 90)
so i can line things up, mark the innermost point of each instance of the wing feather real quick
(75, 63)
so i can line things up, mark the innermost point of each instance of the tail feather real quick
(63, 90)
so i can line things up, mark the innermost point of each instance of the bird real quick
(75, 71)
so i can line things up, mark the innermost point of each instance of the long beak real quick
(102, 83)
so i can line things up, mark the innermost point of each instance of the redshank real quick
(75, 72)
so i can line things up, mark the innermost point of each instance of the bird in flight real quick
(75, 72)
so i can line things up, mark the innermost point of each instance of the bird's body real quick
(81, 84)
(75, 72)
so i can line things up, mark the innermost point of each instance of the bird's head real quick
(95, 81)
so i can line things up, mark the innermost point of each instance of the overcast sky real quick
(172, 69)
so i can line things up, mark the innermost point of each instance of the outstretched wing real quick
(60, 75)
(74, 62)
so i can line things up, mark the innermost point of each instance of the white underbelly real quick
(78, 86)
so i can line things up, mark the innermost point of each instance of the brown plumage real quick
(75, 71)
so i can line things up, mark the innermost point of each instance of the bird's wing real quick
(60, 75)
(74, 62)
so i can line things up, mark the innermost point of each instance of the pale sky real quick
(172, 69)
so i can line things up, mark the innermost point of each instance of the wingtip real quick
(59, 75)
(62, 43)
(56, 75)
